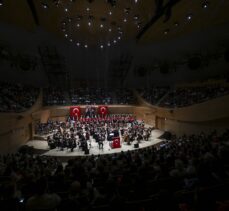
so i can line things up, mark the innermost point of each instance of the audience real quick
(17, 98)
(185, 96)
(54, 96)
(158, 177)
(154, 94)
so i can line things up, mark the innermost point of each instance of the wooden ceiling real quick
(70, 19)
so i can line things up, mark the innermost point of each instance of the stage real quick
(43, 145)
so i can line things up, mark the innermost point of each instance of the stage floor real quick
(43, 145)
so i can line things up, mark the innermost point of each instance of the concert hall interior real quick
(114, 105)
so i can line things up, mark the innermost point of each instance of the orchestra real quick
(79, 133)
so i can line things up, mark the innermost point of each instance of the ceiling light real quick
(205, 4)
(66, 9)
(176, 24)
(166, 31)
(89, 23)
(110, 13)
(78, 25)
(189, 17)
(44, 5)
(101, 25)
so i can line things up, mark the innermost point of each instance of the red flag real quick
(116, 142)
(75, 112)
(102, 111)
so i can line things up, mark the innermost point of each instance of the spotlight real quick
(1, 3)
(109, 30)
(78, 25)
(66, 35)
(108, 44)
(101, 25)
(125, 20)
(85, 46)
(66, 9)
(119, 38)
(114, 41)
(89, 23)
(78, 44)
(110, 13)
(88, 9)
(101, 46)
(70, 40)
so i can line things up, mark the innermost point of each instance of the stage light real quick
(119, 38)
(176, 24)
(108, 44)
(1, 3)
(101, 46)
(110, 13)
(114, 41)
(101, 25)
(125, 20)
(70, 40)
(66, 9)
(88, 9)
(78, 44)
(89, 23)
(66, 35)
(166, 31)
(85, 45)
(78, 25)
(109, 30)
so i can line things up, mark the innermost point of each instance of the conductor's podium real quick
(115, 143)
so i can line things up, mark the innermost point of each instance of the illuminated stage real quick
(43, 145)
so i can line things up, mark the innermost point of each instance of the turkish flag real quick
(102, 110)
(116, 142)
(75, 112)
